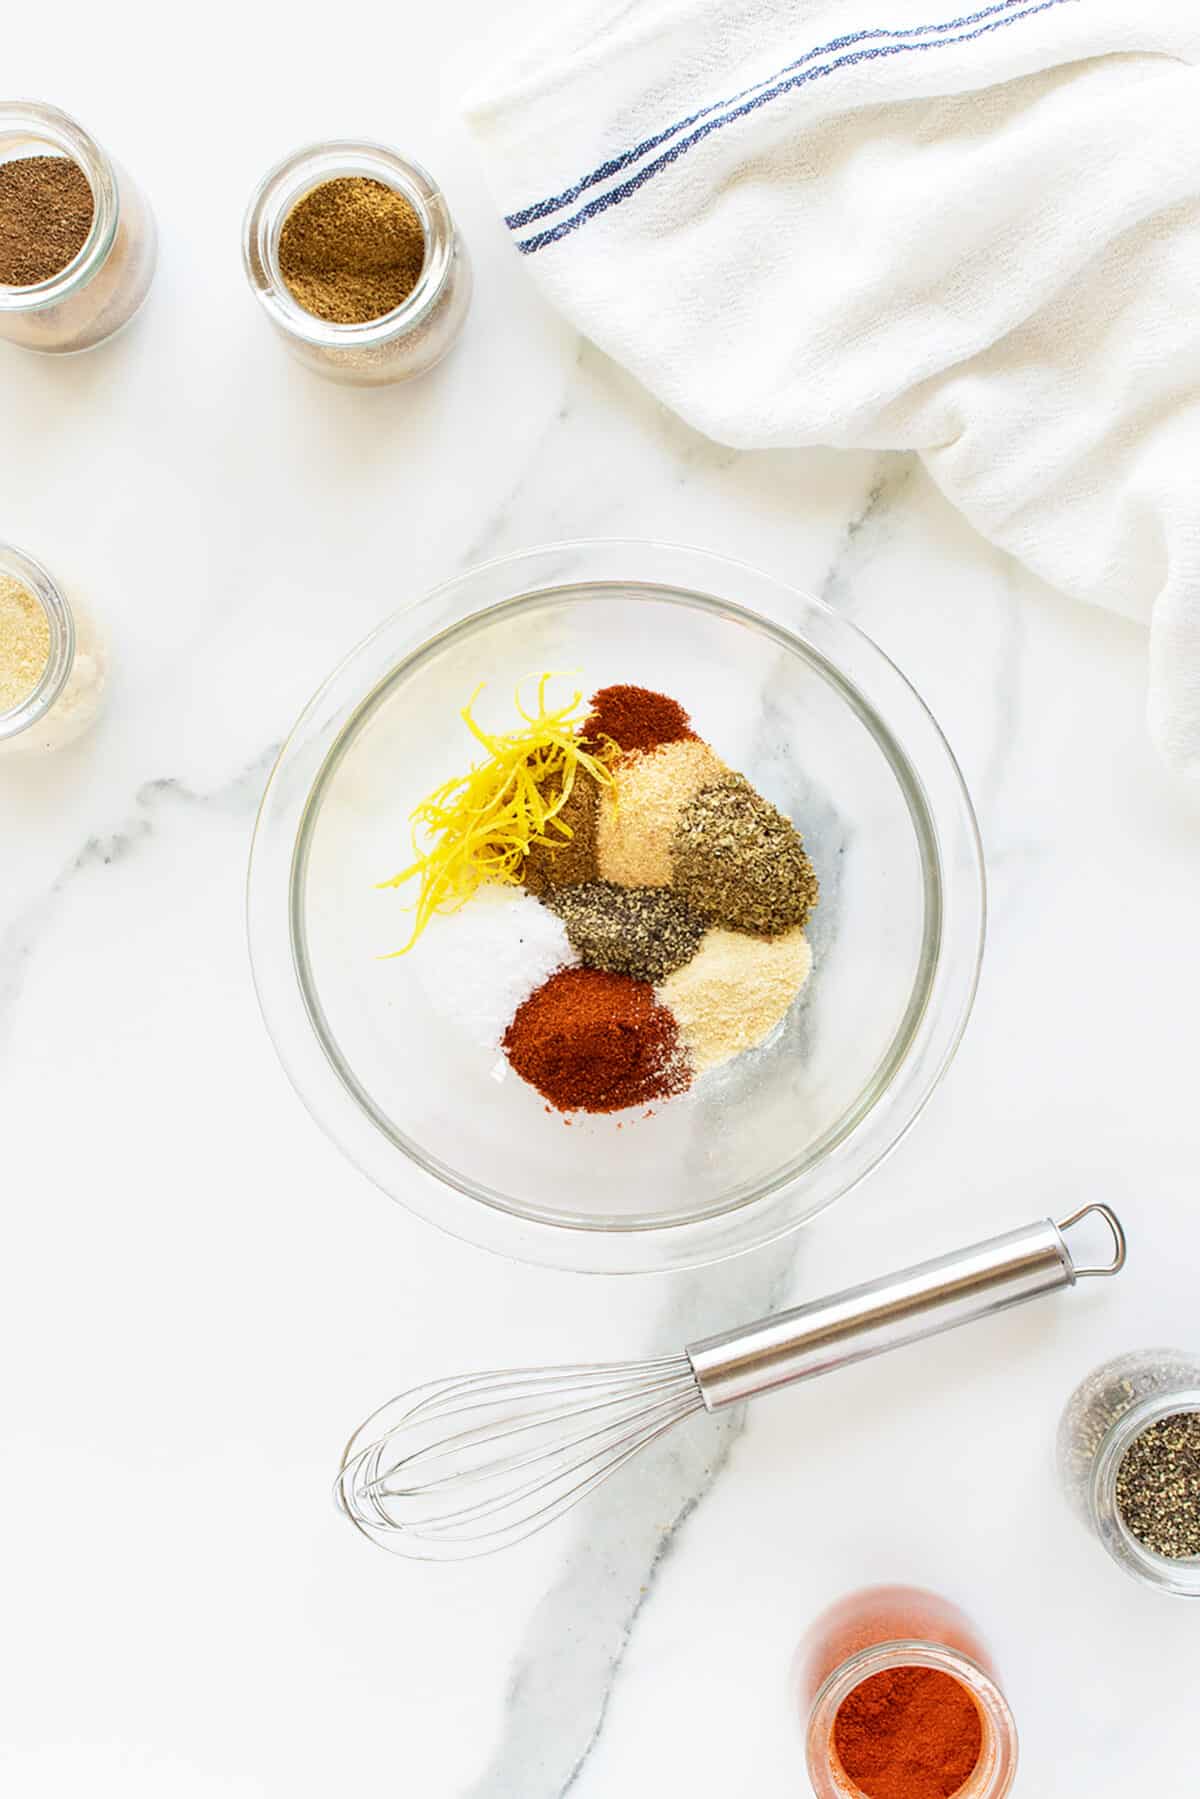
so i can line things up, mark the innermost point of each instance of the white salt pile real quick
(478, 965)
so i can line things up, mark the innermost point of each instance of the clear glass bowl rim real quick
(952, 863)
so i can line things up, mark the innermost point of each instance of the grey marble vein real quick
(19, 940)
(570, 1663)
(891, 475)
(989, 781)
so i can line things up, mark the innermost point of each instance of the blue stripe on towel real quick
(544, 208)
(615, 195)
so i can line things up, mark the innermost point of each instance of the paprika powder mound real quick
(590, 1041)
(636, 719)
(909, 1733)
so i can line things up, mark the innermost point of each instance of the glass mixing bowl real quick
(786, 691)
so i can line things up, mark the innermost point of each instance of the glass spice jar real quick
(874, 1632)
(69, 691)
(100, 289)
(1104, 1417)
(400, 344)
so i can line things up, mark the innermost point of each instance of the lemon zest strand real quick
(481, 826)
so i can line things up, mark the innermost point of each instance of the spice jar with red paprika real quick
(902, 1702)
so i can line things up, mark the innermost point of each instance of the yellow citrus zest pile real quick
(480, 826)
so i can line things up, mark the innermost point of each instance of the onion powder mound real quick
(734, 991)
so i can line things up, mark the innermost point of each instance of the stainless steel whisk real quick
(465, 1466)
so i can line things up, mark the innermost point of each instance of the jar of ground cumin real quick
(77, 237)
(353, 254)
(901, 1701)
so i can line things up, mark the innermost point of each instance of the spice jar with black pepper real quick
(351, 251)
(53, 660)
(77, 237)
(1129, 1458)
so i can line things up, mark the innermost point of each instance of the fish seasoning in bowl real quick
(353, 254)
(52, 661)
(902, 1702)
(77, 238)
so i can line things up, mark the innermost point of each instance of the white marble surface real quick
(199, 1298)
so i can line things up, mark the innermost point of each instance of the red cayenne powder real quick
(636, 719)
(596, 1042)
(908, 1733)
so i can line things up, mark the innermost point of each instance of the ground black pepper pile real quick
(646, 932)
(1158, 1486)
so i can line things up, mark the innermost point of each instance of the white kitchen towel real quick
(976, 236)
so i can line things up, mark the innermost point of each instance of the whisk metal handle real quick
(899, 1308)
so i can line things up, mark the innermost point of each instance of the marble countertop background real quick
(199, 1298)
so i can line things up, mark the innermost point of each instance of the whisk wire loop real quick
(516, 1447)
(464, 1466)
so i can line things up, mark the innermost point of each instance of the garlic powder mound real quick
(639, 811)
(24, 643)
(734, 991)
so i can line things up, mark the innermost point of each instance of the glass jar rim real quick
(61, 659)
(310, 167)
(996, 1769)
(1180, 1576)
(34, 122)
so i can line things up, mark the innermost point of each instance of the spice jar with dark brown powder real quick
(77, 239)
(352, 252)
(46, 213)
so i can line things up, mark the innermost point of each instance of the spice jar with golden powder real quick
(53, 660)
(77, 237)
(353, 254)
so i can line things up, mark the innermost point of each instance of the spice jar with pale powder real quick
(77, 237)
(353, 254)
(902, 1702)
(53, 660)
